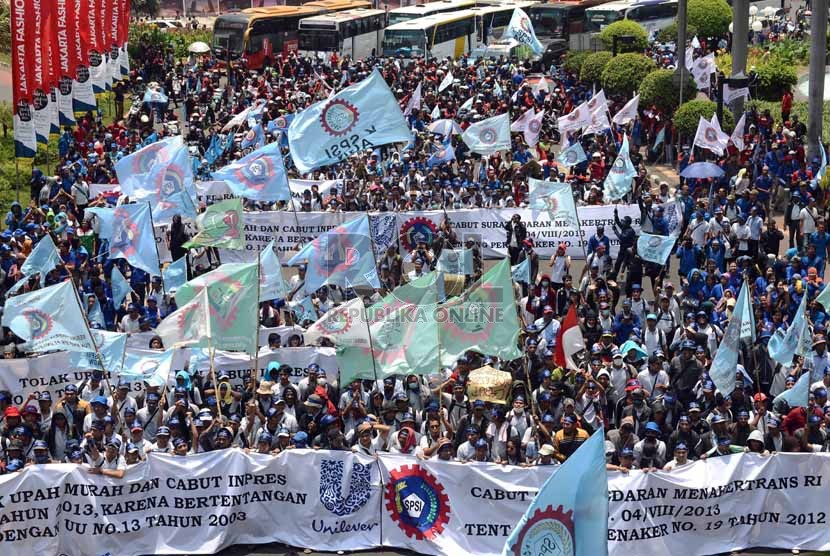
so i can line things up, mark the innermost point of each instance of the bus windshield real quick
(597, 20)
(228, 35)
(319, 40)
(549, 20)
(404, 42)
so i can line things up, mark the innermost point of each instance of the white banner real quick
(331, 501)
(238, 365)
(45, 373)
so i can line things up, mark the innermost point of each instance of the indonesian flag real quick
(569, 341)
(520, 124)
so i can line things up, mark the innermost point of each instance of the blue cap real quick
(163, 431)
(569, 419)
(272, 411)
(651, 426)
(75, 454)
(814, 419)
(115, 442)
(97, 425)
(100, 400)
(179, 442)
(131, 448)
(407, 417)
(14, 465)
(300, 439)
(627, 452)
(681, 446)
(265, 437)
(724, 441)
(481, 443)
(716, 418)
(548, 418)
(544, 396)
(40, 445)
(478, 403)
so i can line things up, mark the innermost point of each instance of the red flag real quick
(22, 25)
(85, 30)
(67, 55)
(569, 340)
(124, 23)
(105, 8)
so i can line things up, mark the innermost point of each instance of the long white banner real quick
(330, 501)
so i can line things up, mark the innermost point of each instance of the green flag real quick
(220, 226)
(232, 299)
(427, 290)
(403, 342)
(484, 319)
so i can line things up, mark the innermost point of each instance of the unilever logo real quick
(331, 486)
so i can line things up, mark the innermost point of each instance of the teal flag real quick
(741, 327)
(799, 394)
(783, 346)
(824, 297)
(655, 248)
(483, 319)
(618, 182)
(572, 156)
(521, 272)
(425, 291)
(111, 346)
(49, 319)
(360, 117)
(221, 225)
(153, 368)
(132, 237)
(554, 197)
(134, 170)
(569, 514)
(175, 275)
(233, 304)
(271, 282)
(120, 287)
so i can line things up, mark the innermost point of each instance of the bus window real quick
(229, 35)
(403, 41)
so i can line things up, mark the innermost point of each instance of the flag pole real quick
(156, 245)
(256, 331)
(97, 351)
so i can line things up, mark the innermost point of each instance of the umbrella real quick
(198, 47)
(445, 127)
(700, 170)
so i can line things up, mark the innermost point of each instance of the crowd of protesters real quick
(643, 373)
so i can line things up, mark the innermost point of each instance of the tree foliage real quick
(593, 66)
(711, 18)
(625, 27)
(658, 89)
(574, 60)
(688, 115)
(626, 72)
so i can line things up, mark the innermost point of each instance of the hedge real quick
(622, 28)
(669, 34)
(594, 65)
(711, 18)
(774, 77)
(658, 89)
(574, 60)
(688, 115)
(625, 74)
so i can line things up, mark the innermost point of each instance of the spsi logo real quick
(417, 502)
(546, 533)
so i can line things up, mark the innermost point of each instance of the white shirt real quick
(808, 220)
(130, 325)
(699, 229)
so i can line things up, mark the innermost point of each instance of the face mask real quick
(545, 284)
(413, 385)
(41, 459)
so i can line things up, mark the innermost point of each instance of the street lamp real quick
(622, 39)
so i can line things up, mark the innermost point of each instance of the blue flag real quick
(152, 368)
(445, 154)
(255, 137)
(660, 139)
(741, 326)
(784, 345)
(799, 394)
(43, 259)
(342, 256)
(569, 514)
(655, 248)
(169, 188)
(175, 275)
(134, 170)
(214, 150)
(49, 319)
(618, 182)
(304, 310)
(521, 272)
(132, 238)
(281, 124)
(154, 96)
(572, 156)
(271, 283)
(120, 287)
(111, 346)
(362, 116)
(554, 197)
(259, 176)
(521, 29)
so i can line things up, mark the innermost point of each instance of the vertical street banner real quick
(124, 37)
(24, 80)
(83, 91)
(97, 54)
(66, 56)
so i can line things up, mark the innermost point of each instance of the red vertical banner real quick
(22, 75)
(100, 17)
(105, 19)
(124, 24)
(66, 55)
(40, 63)
(84, 38)
(114, 22)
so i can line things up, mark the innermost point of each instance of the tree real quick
(625, 27)
(774, 77)
(574, 60)
(658, 89)
(688, 115)
(711, 18)
(669, 34)
(626, 72)
(593, 66)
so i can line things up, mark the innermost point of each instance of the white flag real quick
(598, 102)
(468, 104)
(189, 325)
(521, 123)
(344, 325)
(489, 136)
(709, 136)
(534, 127)
(695, 42)
(414, 102)
(627, 112)
(599, 123)
(690, 58)
(579, 118)
(446, 82)
(737, 136)
(436, 113)
(702, 69)
(730, 94)
(541, 85)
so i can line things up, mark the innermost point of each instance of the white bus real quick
(435, 36)
(356, 33)
(651, 14)
(431, 8)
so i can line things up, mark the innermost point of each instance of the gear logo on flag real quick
(331, 481)
(488, 136)
(524, 23)
(418, 229)
(339, 117)
(186, 318)
(534, 126)
(40, 323)
(151, 155)
(619, 166)
(710, 134)
(173, 181)
(281, 122)
(417, 502)
(549, 532)
(570, 157)
(338, 323)
(256, 174)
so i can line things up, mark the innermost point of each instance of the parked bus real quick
(257, 35)
(435, 36)
(561, 19)
(492, 20)
(431, 8)
(356, 33)
(651, 14)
